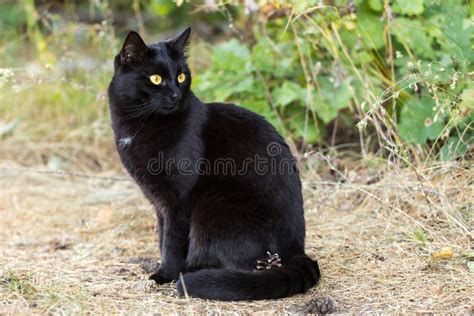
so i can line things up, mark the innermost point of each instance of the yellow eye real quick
(156, 79)
(181, 78)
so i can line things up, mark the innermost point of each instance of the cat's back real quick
(232, 113)
(233, 126)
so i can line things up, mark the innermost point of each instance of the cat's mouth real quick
(167, 108)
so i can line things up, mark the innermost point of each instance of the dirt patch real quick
(72, 244)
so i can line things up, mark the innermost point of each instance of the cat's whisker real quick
(139, 105)
(145, 110)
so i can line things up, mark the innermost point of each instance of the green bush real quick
(404, 66)
(394, 76)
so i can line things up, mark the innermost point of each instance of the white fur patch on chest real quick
(125, 142)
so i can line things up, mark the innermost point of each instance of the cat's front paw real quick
(160, 278)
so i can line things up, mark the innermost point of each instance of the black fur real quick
(216, 220)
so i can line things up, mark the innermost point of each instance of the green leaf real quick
(260, 56)
(297, 125)
(370, 26)
(223, 92)
(455, 148)
(261, 107)
(411, 33)
(299, 6)
(467, 103)
(456, 35)
(205, 82)
(230, 56)
(419, 235)
(244, 84)
(266, 59)
(408, 7)
(416, 121)
(376, 5)
(288, 92)
(329, 100)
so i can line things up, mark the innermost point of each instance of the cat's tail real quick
(296, 276)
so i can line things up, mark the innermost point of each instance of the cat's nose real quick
(175, 97)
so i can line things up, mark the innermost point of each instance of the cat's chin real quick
(168, 109)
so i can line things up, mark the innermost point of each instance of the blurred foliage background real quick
(381, 78)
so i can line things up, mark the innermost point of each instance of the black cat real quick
(224, 183)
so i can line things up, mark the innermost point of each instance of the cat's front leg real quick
(174, 231)
(160, 229)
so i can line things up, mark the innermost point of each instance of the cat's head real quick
(151, 79)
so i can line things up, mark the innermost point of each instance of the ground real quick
(77, 244)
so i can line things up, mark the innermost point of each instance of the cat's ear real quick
(134, 48)
(179, 43)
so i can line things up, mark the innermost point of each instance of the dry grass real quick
(67, 244)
